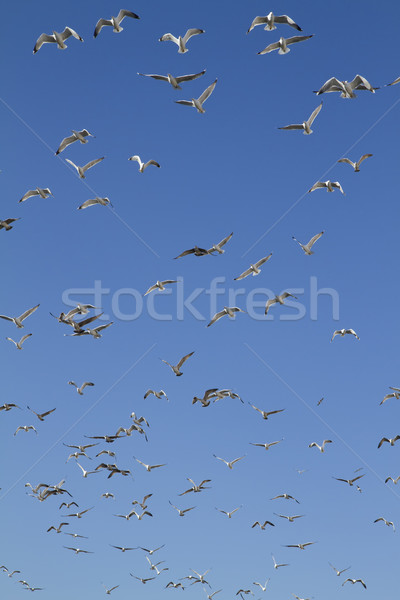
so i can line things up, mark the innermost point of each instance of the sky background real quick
(229, 170)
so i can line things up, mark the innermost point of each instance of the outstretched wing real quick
(217, 316)
(180, 363)
(154, 76)
(100, 24)
(125, 13)
(314, 114)
(292, 127)
(347, 161)
(332, 85)
(168, 37)
(298, 38)
(270, 303)
(68, 32)
(66, 142)
(257, 21)
(43, 39)
(314, 239)
(316, 186)
(364, 156)
(28, 312)
(182, 78)
(243, 275)
(288, 21)
(270, 48)
(90, 164)
(207, 93)
(190, 33)
(263, 260)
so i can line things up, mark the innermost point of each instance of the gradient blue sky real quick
(227, 170)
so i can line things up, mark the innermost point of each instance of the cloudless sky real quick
(228, 170)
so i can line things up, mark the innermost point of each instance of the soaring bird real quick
(41, 416)
(25, 428)
(321, 447)
(329, 185)
(283, 43)
(80, 389)
(56, 38)
(290, 518)
(109, 590)
(307, 247)
(76, 135)
(142, 165)
(93, 201)
(349, 481)
(391, 441)
(391, 395)
(114, 22)
(388, 523)
(42, 192)
(78, 550)
(262, 526)
(218, 247)
(18, 320)
(263, 587)
(18, 345)
(267, 445)
(57, 529)
(279, 298)
(355, 165)
(205, 400)
(160, 285)
(352, 581)
(227, 310)
(229, 464)
(176, 368)
(343, 332)
(270, 20)
(6, 223)
(346, 88)
(276, 565)
(156, 394)
(148, 467)
(395, 481)
(181, 41)
(196, 251)
(174, 81)
(299, 546)
(397, 80)
(198, 102)
(339, 572)
(306, 125)
(265, 414)
(254, 269)
(286, 497)
(196, 488)
(89, 165)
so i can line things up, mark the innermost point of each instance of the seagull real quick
(78, 550)
(25, 428)
(76, 535)
(338, 573)
(283, 44)
(355, 581)
(86, 473)
(229, 464)
(76, 135)
(262, 525)
(306, 125)
(388, 523)
(93, 201)
(148, 467)
(286, 497)
(270, 20)
(6, 223)
(227, 310)
(174, 585)
(114, 22)
(343, 332)
(57, 529)
(81, 448)
(355, 165)
(254, 269)
(42, 415)
(307, 247)
(149, 551)
(205, 399)
(142, 165)
(289, 518)
(159, 285)
(196, 488)
(8, 407)
(229, 514)
(181, 512)
(122, 548)
(219, 394)
(349, 481)
(276, 566)
(263, 587)
(267, 445)
(346, 87)
(89, 165)
(174, 81)
(42, 192)
(79, 514)
(176, 368)
(156, 394)
(129, 515)
(108, 591)
(80, 391)
(243, 592)
(392, 395)
(218, 247)
(320, 401)
(198, 102)
(299, 546)
(18, 320)
(56, 38)
(94, 332)
(18, 345)
(32, 589)
(395, 481)
(265, 414)
(153, 567)
(329, 185)
(321, 448)
(107, 495)
(391, 441)
(108, 452)
(181, 41)
(143, 580)
(13, 573)
(278, 298)
(196, 251)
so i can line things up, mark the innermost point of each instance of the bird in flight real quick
(391, 441)
(254, 269)
(181, 512)
(174, 81)
(89, 165)
(25, 428)
(321, 447)
(78, 550)
(329, 185)
(227, 310)
(290, 518)
(196, 251)
(18, 320)
(343, 332)
(353, 581)
(339, 572)
(388, 523)
(42, 192)
(57, 529)
(148, 467)
(6, 223)
(18, 345)
(114, 22)
(76, 135)
(286, 497)
(266, 414)
(176, 368)
(196, 488)
(283, 43)
(276, 565)
(270, 20)
(94, 201)
(267, 445)
(279, 298)
(355, 165)
(262, 525)
(263, 587)
(41, 416)
(218, 247)
(306, 125)
(156, 394)
(82, 387)
(299, 546)
(307, 247)
(198, 102)
(229, 513)
(181, 41)
(159, 285)
(56, 38)
(349, 481)
(109, 590)
(346, 88)
(395, 481)
(229, 464)
(142, 165)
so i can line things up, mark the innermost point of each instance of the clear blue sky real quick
(229, 170)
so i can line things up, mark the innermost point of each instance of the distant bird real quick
(56, 38)
(107, 495)
(142, 165)
(42, 192)
(9, 406)
(391, 441)
(181, 41)
(18, 320)
(393, 82)
(265, 414)
(198, 102)
(93, 201)
(148, 467)
(114, 22)
(346, 88)
(79, 514)
(229, 464)
(241, 591)
(41, 416)
(321, 448)
(279, 298)
(68, 505)
(283, 43)
(349, 481)
(84, 472)
(329, 185)
(307, 247)
(176, 368)
(355, 165)
(18, 345)
(89, 165)
(108, 591)
(205, 400)
(93, 332)
(218, 247)
(355, 581)
(159, 285)
(6, 223)
(76, 135)
(395, 481)
(174, 585)
(343, 332)
(122, 548)
(320, 401)
(299, 546)
(25, 428)
(195, 488)
(276, 565)
(142, 579)
(262, 526)
(338, 572)
(151, 551)
(229, 513)
(290, 518)
(174, 81)
(80, 389)
(57, 529)
(391, 395)
(263, 587)
(254, 269)
(156, 394)
(306, 125)
(196, 251)
(78, 550)
(388, 523)
(270, 20)
(81, 448)
(286, 497)
(267, 445)
(227, 310)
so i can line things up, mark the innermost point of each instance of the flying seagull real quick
(76, 135)
(307, 247)
(229, 514)
(148, 467)
(286, 497)
(263, 587)
(346, 88)
(89, 165)
(114, 22)
(181, 41)
(218, 247)
(343, 332)
(270, 20)
(230, 463)
(329, 185)
(176, 368)
(18, 345)
(109, 590)
(395, 481)
(283, 43)
(18, 320)
(57, 529)
(156, 394)
(142, 165)
(94, 332)
(196, 488)
(390, 441)
(321, 448)
(174, 81)
(227, 310)
(41, 416)
(198, 102)
(278, 298)
(181, 512)
(80, 389)
(276, 565)
(299, 546)
(338, 572)
(25, 428)
(290, 518)
(391, 395)
(254, 269)
(355, 581)
(267, 445)
(6, 223)
(78, 550)
(349, 481)
(265, 414)
(388, 523)
(306, 125)
(196, 251)
(56, 38)
(159, 285)
(93, 201)
(355, 165)
(42, 192)
(262, 525)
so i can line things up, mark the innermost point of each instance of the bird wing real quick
(314, 114)
(314, 239)
(384, 439)
(332, 85)
(184, 102)
(6, 318)
(186, 252)
(207, 92)
(180, 363)
(168, 37)
(28, 195)
(394, 82)
(337, 332)
(86, 384)
(263, 260)
(48, 412)
(66, 142)
(217, 316)
(28, 312)
(348, 161)
(298, 38)
(80, 324)
(154, 76)
(190, 33)
(336, 184)
(318, 184)
(364, 156)
(286, 20)
(71, 163)
(257, 21)
(43, 39)
(68, 32)
(151, 162)
(182, 78)
(100, 24)
(292, 127)
(243, 275)
(90, 164)
(352, 332)
(90, 202)
(270, 303)
(125, 13)
(270, 48)
(359, 82)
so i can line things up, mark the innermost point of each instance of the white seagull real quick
(76, 135)
(56, 38)
(263, 587)
(80, 389)
(181, 41)
(198, 102)
(160, 285)
(114, 22)
(181, 512)
(25, 428)
(329, 185)
(279, 298)
(388, 523)
(174, 81)
(306, 125)
(227, 310)
(270, 20)
(156, 394)
(307, 247)
(93, 201)
(276, 565)
(148, 467)
(283, 43)
(349, 481)
(339, 572)
(267, 445)
(321, 447)
(21, 341)
(343, 332)
(229, 513)
(18, 320)
(176, 368)
(229, 464)
(218, 247)
(346, 88)
(89, 165)
(355, 165)
(142, 165)
(254, 269)
(355, 581)
(42, 192)
(390, 441)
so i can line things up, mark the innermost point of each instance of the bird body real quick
(82, 170)
(56, 38)
(227, 310)
(321, 447)
(114, 22)
(176, 368)
(283, 43)
(76, 135)
(346, 88)
(355, 165)
(18, 320)
(42, 192)
(18, 345)
(279, 298)
(329, 185)
(307, 247)
(271, 20)
(142, 165)
(343, 332)
(181, 41)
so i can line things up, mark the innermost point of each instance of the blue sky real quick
(229, 170)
